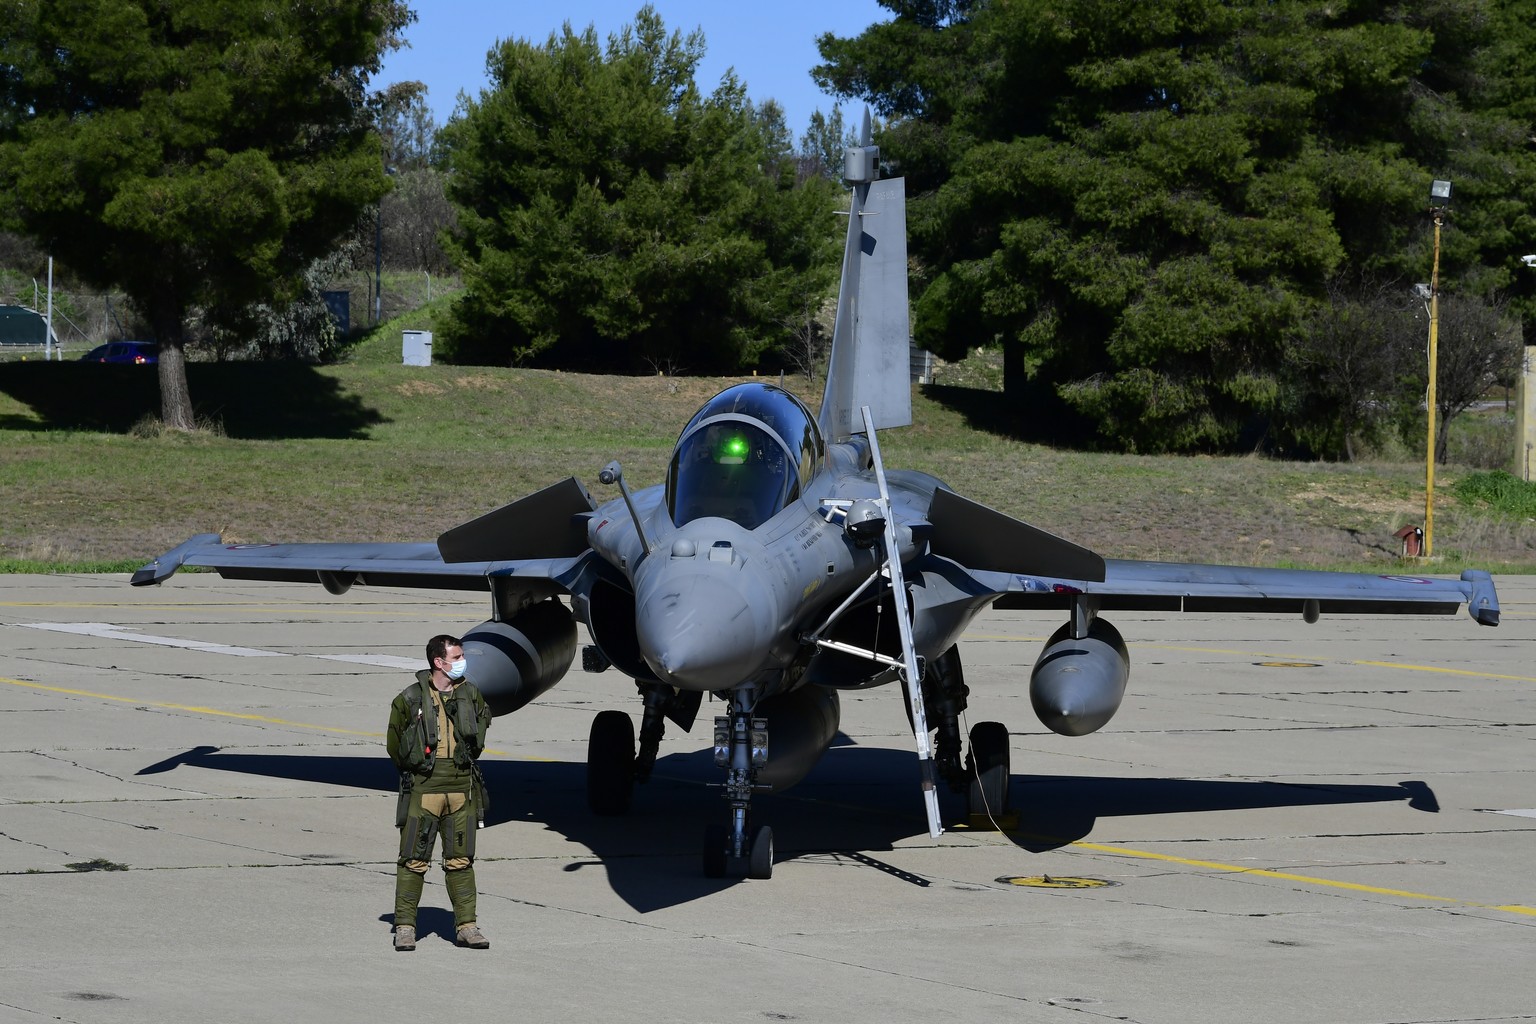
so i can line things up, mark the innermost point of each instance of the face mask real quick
(456, 670)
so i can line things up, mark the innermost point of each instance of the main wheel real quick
(760, 860)
(987, 766)
(610, 763)
(714, 851)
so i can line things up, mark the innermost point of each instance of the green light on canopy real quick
(733, 449)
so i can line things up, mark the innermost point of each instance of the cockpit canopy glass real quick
(744, 456)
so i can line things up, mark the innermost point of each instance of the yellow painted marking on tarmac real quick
(1446, 671)
(1406, 667)
(1328, 883)
(244, 716)
(1271, 655)
(1056, 882)
(241, 715)
(997, 636)
(369, 610)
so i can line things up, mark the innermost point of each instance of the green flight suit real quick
(442, 792)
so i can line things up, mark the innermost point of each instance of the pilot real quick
(436, 733)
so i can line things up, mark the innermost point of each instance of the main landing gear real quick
(987, 773)
(983, 774)
(613, 763)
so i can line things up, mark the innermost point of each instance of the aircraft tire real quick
(988, 768)
(760, 861)
(611, 763)
(714, 851)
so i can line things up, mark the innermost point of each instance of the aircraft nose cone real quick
(700, 630)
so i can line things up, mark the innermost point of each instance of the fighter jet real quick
(781, 563)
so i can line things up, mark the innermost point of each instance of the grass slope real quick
(370, 450)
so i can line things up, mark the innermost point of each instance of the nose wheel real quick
(721, 860)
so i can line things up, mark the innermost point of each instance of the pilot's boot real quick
(460, 884)
(470, 935)
(408, 886)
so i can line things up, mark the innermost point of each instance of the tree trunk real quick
(1015, 380)
(175, 396)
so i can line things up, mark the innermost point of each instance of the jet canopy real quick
(744, 456)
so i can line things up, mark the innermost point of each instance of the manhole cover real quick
(1056, 882)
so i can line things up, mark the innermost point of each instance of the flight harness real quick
(418, 745)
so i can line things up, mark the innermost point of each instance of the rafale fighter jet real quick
(781, 562)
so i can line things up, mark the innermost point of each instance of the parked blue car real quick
(138, 352)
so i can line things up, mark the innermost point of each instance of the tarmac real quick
(1284, 823)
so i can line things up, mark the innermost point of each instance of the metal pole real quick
(1434, 338)
(378, 263)
(1525, 414)
(48, 322)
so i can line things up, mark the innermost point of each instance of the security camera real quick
(1529, 261)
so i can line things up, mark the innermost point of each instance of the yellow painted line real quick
(1328, 883)
(996, 636)
(1446, 671)
(1351, 661)
(242, 716)
(1270, 655)
(184, 707)
(372, 609)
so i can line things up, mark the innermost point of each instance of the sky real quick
(770, 43)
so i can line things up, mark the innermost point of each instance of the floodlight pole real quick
(1440, 194)
(378, 254)
(378, 262)
(48, 321)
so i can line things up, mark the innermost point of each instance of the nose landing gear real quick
(741, 747)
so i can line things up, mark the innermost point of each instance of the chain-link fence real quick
(402, 290)
(81, 320)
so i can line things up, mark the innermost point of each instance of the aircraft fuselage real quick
(718, 605)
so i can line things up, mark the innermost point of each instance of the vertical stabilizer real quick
(871, 358)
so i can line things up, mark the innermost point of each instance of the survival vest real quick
(418, 743)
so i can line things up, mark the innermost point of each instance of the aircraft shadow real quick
(855, 803)
(257, 400)
(1054, 811)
